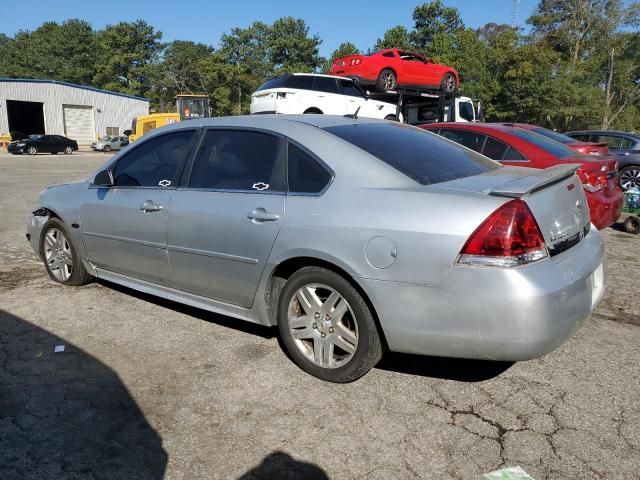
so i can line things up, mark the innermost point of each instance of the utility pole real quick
(514, 11)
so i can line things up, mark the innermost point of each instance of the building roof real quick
(73, 85)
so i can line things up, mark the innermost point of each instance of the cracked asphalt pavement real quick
(149, 389)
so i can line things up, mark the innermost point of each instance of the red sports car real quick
(586, 148)
(512, 145)
(390, 68)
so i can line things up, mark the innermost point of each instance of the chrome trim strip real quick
(207, 253)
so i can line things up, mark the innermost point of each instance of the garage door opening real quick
(25, 117)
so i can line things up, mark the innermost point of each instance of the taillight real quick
(509, 237)
(592, 180)
(356, 61)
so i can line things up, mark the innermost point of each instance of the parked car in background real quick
(380, 242)
(110, 142)
(43, 144)
(583, 147)
(511, 145)
(624, 146)
(314, 93)
(392, 68)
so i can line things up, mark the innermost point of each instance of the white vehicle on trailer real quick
(321, 94)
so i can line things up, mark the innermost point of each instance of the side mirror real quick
(104, 178)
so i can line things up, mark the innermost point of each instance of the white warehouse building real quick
(59, 108)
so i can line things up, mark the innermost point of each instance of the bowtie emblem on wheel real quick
(164, 183)
(260, 186)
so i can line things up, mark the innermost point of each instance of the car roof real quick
(606, 132)
(320, 75)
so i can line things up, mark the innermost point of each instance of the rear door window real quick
(420, 155)
(347, 87)
(301, 82)
(469, 139)
(326, 85)
(238, 160)
(494, 149)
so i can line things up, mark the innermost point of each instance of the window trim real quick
(112, 166)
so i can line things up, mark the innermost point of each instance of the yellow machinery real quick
(187, 106)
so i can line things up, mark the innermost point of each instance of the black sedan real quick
(43, 144)
(625, 146)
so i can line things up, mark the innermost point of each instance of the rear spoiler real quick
(535, 181)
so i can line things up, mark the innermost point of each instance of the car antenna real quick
(354, 114)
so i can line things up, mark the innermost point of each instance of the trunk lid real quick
(346, 61)
(554, 195)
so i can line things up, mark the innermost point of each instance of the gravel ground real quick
(147, 388)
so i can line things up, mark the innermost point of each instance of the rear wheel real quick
(632, 224)
(107, 148)
(61, 258)
(630, 177)
(448, 83)
(327, 327)
(387, 80)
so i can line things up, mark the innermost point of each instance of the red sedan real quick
(390, 68)
(512, 145)
(586, 148)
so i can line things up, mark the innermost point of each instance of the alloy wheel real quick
(388, 81)
(31, 150)
(323, 326)
(58, 256)
(630, 178)
(68, 150)
(449, 84)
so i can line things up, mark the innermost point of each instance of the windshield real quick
(35, 137)
(549, 145)
(420, 155)
(559, 137)
(105, 139)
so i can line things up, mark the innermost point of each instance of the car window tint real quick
(627, 143)
(583, 137)
(347, 87)
(466, 111)
(549, 145)
(615, 142)
(560, 137)
(274, 83)
(158, 162)
(388, 54)
(420, 155)
(302, 82)
(494, 149)
(238, 160)
(513, 155)
(467, 138)
(305, 175)
(326, 84)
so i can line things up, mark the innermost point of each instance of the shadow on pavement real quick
(458, 369)
(67, 415)
(223, 320)
(281, 466)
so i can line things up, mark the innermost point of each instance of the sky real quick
(358, 21)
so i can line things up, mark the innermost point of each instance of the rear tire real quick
(61, 257)
(107, 149)
(448, 83)
(387, 80)
(632, 225)
(629, 177)
(339, 349)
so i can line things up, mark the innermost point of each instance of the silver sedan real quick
(351, 235)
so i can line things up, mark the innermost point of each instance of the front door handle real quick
(259, 215)
(149, 206)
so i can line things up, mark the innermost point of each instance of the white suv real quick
(312, 93)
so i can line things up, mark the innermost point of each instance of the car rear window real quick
(420, 155)
(549, 145)
(277, 82)
(560, 137)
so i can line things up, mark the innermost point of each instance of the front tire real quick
(32, 150)
(61, 258)
(448, 83)
(327, 327)
(68, 150)
(387, 80)
(106, 149)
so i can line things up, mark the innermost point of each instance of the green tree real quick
(125, 55)
(291, 49)
(343, 50)
(395, 37)
(431, 19)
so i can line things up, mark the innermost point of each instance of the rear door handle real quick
(259, 215)
(149, 206)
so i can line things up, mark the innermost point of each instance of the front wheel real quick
(107, 149)
(448, 83)
(32, 150)
(68, 150)
(61, 258)
(327, 327)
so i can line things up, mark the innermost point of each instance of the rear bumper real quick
(491, 313)
(605, 209)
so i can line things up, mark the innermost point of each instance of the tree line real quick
(575, 65)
